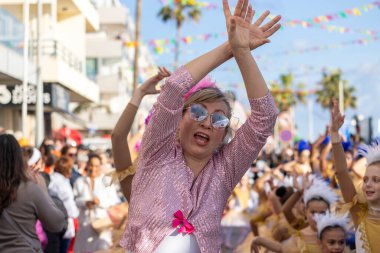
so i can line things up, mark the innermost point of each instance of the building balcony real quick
(110, 84)
(113, 16)
(65, 9)
(12, 68)
(96, 45)
(60, 65)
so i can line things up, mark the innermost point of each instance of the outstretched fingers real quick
(335, 109)
(271, 23)
(336, 115)
(243, 12)
(238, 8)
(271, 31)
(226, 8)
(261, 19)
(163, 72)
(250, 14)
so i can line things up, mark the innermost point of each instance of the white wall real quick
(73, 39)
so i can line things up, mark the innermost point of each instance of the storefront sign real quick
(54, 96)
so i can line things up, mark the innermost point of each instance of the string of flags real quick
(159, 46)
(356, 11)
(205, 5)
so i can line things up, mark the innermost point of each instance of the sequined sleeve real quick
(159, 136)
(238, 155)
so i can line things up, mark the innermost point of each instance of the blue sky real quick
(360, 64)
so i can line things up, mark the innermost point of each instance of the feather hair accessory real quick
(370, 152)
(330, 220)
(202, 84)
(319, 189)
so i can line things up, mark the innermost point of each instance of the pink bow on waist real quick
(180, 219)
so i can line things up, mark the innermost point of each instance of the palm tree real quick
(284, 95)
(330, 90)
(177, 13)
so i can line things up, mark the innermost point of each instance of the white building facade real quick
(64, 24)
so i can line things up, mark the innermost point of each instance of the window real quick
(92, 68)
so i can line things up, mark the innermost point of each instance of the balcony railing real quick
(57, 49)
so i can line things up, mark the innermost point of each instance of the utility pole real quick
(39, 102)
(137, 44)
(24, 108)
(341, 97)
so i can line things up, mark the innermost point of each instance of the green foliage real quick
(178, 13)
(284, 95)
(330, 90)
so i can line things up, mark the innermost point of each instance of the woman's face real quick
(333, 241)
(93, 169)
(371, 184)
(315, 207)
(200, 139)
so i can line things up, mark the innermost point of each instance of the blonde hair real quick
(208, 95)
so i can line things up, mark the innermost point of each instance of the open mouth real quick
(201, 139)
(369, 193)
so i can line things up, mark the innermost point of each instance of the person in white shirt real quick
(93, 198)
(60, 187)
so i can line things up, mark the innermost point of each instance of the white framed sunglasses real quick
(199, 113)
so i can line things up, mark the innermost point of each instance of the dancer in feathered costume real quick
(365, 210)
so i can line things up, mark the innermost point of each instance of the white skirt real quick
(178, 243)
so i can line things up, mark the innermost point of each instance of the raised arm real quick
(122, 156)
(243, 37)
(252, 135)
(256, 36)
(346, 185)
(295, 197)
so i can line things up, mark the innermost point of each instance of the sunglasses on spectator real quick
(71, 154)
(199, 113)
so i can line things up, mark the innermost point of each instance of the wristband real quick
(335, 138)
(121, 174)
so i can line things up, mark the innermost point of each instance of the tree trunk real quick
(177, 46)
(137, 44)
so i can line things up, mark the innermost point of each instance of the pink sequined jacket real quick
(164, 184)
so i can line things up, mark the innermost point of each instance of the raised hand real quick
(149, 86)
(238, 24)
(337, 119)
(304, 184)
(259, 34)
